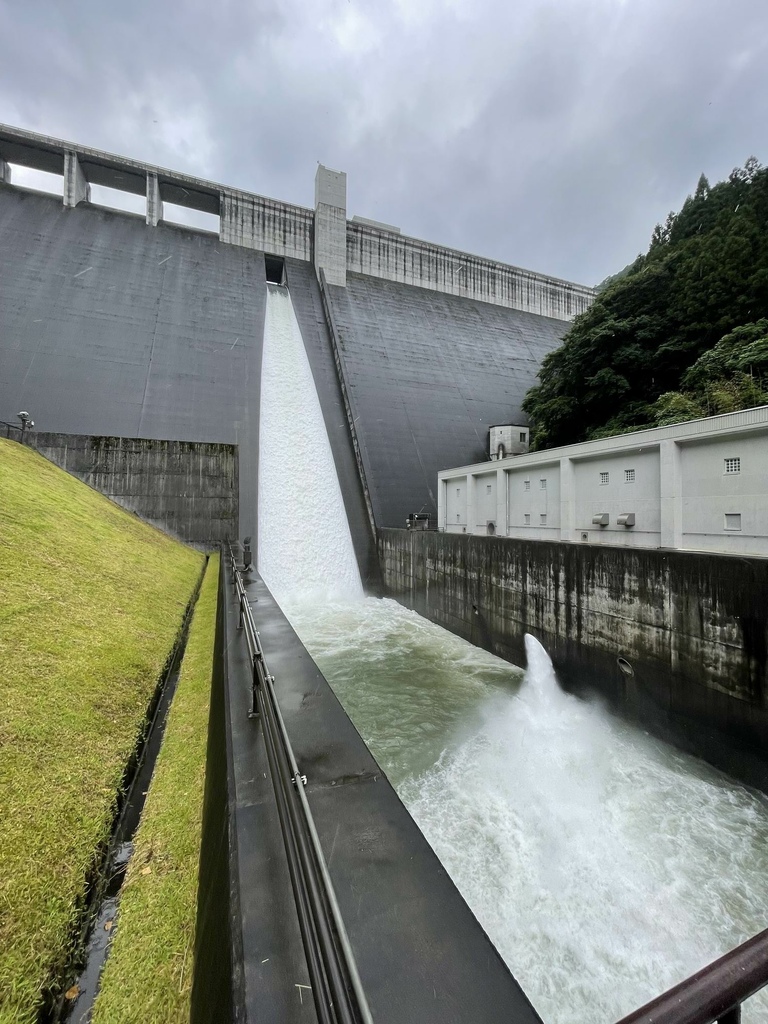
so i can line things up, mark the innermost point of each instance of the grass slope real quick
(91, 601)
(148, 976)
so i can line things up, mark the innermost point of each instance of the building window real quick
(543, 484)
(457, 517)
(629, 476)
(487, 488)
(543, 518)
(732, 520)
(604, 478)
(527, 485)
(458, 492)
(523, 437)
(527, 519)
(733, 465)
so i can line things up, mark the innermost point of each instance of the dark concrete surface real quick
(427, 375)
(189, 489)
(114, 328)
(422, 956)
(692, 627)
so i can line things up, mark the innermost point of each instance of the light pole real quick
(25, 423)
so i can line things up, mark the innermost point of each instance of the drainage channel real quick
(74, 1005)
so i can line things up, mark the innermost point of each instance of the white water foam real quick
(605, 866)
(304, 545)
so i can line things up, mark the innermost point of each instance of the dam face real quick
(122, 326)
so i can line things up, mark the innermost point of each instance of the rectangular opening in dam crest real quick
(117, 199)
(186, 217)
(37, 181)
(275, 269)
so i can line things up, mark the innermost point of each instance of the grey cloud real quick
(550, 135)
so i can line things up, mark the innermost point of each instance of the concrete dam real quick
(327, 369)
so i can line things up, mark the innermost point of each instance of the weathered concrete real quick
(330, 244)
(5, 173)
(395, 257)
(692, 627)
(76, 187)
(187, 489)
(265, 224)
(154, 200)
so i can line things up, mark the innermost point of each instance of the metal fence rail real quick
(336, 987)
(715, 993)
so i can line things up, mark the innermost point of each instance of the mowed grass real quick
(91, 601)
(148, 975)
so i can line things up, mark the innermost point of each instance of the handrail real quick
(336, 986)
(715, 993)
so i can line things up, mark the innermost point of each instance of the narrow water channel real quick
(604, 865)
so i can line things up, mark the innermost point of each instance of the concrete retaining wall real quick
(692, 627)
(188, 489)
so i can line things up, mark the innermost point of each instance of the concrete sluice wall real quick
(185, 488)
(676, 639)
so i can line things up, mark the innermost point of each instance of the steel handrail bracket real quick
(336, 987)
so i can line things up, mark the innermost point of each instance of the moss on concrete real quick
(148, 976)
(91, 601)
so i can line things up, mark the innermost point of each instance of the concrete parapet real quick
(76, 187)
(154, 201)
(266, 225)
(395, 257)
(187, 489)
(676, 639)
(330, 249)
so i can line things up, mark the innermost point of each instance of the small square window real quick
(604, 478)
(733, 465)
(488, 488)
(543, 484)
(527, 518)
(527, 485)
(733, 520)
(523, 436)
(543, 518)
(629, 476)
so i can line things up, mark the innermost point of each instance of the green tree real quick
(704, 277)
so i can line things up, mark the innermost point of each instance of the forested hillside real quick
(683, 333)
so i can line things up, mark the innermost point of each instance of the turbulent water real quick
(304, 537)
(604, 865)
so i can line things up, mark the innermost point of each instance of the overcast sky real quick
(552, 134)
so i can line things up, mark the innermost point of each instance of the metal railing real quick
(713, 994)
(336, 987)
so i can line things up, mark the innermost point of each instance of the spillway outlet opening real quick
(275, 269)
(625, 667)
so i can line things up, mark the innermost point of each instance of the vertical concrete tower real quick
(330, 250)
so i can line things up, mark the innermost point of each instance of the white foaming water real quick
(605, 866)
(305, 545)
